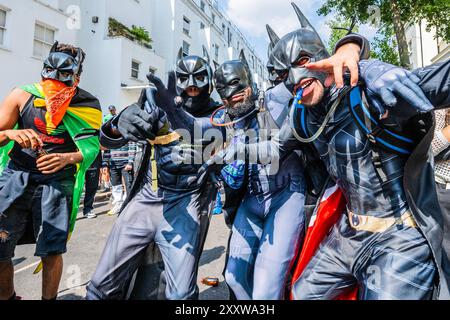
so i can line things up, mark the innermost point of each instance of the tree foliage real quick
(391, 16)
(435, 12)
(383, 46)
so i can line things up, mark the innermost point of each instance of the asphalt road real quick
(86, 247)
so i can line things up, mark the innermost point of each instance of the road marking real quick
(27, 267)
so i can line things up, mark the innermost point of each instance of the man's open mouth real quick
(305, 85)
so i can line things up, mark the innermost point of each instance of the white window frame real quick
(5, 27)
(43, 41)
(203, 5)
(216, 52)
(188, 46)
(186, 22)
(133, 69)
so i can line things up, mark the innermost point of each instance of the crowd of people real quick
(334, 182)
(112, 171)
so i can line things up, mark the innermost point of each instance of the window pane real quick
(186, 48)
(186, 25)
(2, 18)
(46, 49)
(2, 36)
(37, 49)
(39, 32)
(49, 36)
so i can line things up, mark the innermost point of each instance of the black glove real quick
(135, 124)
(386, 82)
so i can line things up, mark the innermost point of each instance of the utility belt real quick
(380, 225)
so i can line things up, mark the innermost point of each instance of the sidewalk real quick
(86, 246)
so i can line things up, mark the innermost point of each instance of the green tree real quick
(383, 46)
(395, 15)
(338, 26)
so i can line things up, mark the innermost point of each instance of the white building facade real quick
(28, 30)
(117, 63)
(424, 47)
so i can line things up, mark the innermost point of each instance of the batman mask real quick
(274, 77)
(62, 67)
(292, 52)
(233, 78)
(194, 72)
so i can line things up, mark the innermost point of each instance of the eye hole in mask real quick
(282, 74)
(200, 78)
(66, 74)
(234, 82)
(303, 61)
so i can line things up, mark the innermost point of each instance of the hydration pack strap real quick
(389, 140)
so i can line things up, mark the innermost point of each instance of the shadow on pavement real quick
(217, 293)
(211, 255)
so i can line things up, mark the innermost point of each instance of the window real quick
(223, 28)
(2, 27)
(152, 70)
(186, 25)
(44, 37)
(186, 47)
(202, 26)
(202, 5)
(230, 38)
(410, 47)
(135, 66)
(214, 18)
(216, 52)
(205, 52)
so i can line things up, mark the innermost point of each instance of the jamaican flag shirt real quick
(72, 130)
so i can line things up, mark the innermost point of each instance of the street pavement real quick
(86, 246)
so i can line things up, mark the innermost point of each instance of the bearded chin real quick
(241, 109)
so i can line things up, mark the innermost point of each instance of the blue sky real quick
(251, 16)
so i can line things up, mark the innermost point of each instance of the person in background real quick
(121, 166)
(105, 173)
(92, 182)
(105, 179)
(112, 113)
(441, 151)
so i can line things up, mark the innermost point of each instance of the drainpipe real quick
(421, 43)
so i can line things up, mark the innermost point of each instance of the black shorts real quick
(42, 216)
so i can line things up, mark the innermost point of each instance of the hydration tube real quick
(231, 123)
(297, 104)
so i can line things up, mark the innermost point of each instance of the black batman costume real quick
(175, 217)
(389, 242)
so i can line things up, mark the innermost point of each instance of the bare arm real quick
(9, 115)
